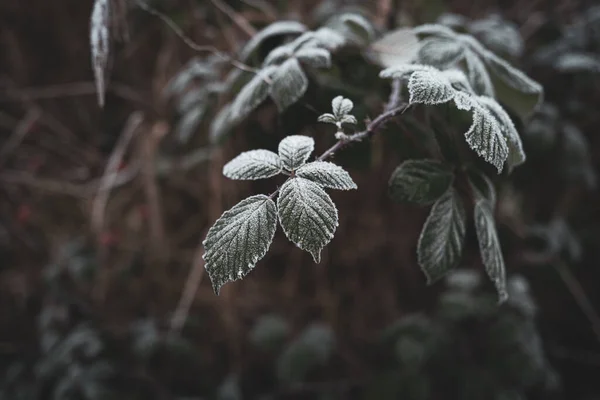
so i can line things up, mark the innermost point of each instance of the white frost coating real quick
(349, 119)
(516, 154)
(443, 236)
(100, 44)
(463, 101)
(510, 75)
(252, 165)
(489, 246)
(486, 138)
(289, 84)
(294, 150)
(307, 215)
(429, 87)
(327, 175)
(420, 181)
(252, 94)
(341, 106)
(395, 48)
(441, 52)
(458, 79)
(434, 30)
(238, 239)
(275, 29)
(478, 74)
(399, 71)
(314, 56)
(327, 118)
(329, 39)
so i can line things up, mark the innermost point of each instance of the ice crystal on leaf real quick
(294, 151)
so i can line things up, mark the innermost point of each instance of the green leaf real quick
(252, 165)
(252, 94)
(311, 349)
(443, 236)
(440, 52)
(395, 48)
(278, 28)
(420, 181)
(294, 150)
(307, 215)
(278, 55)
(482, 186)
(486, 138)
(489, 246)
(289, 84)
(314, 56)
(429, 87)
(478, 74)
(327, 174)
(238, 239)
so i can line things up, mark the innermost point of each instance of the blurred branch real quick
(19, 133)
(237, 18)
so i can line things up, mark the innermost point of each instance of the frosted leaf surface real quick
(315, 57)
(252, 94)
(329, 39)
(289, 84)
(327, 174)
(478, 75)
(400, 71)
(238, 239)
(482, 186)
(516, 154)
(294, 150)
(395, 48)
(441, 52)
(420, 181)
(434, 30)
(442, 239)
(341, 106)
(489, 246)
(278, 55)
(221, 125)
(100, 45)
(486, 138)
(327, 118)
(307, 215)
(278, 28)
(254, 164)
(429, 87)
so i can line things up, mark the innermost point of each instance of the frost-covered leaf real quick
(429, 87)
(361, 29)
(311, 349)
(401, 70)
(294, 150)
(489, 246)
(278, 28)
(253, 164)
(463, 101)
(307, 215)
(278, 55)
(440, 52)
(327, 175)
(222, 125)
(341, 106)
(482, 186)
(420, 181)
(454, 21)
(458, 80)
(443, 236)
(252, 94)
(516, 154)
(327, 118)
(478, 75)
(289, 84)
(426, 30)
(188, 124)
(512, 86)
(499, 35)
(486, 138)
(329, 39)
(395, 48)
(315, 57)
(100, 44)
(238, 239)
(577, 62)
(349, 119)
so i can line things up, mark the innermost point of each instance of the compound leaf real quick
(252, 165)
(486, 138)
(420, 181)
(294, 150)
(489, 246)
(443, 236)
(327, 174)
(289, 84)
(307, 215)
(238, 239)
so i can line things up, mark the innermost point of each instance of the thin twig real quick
(237, 18)
(579, 295)
(20, 132)
(107, 182)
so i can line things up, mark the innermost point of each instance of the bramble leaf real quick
(429, 87)
(420, 181)
(341, 106)
(440, 52)
(486, 138)
(289, 84)
(278, 28)
(327, 174)
(294, 150)
(442, 239)
(252, 94)
(327, 118)
(395, 48)
(253, 164)
(478, 74)
(100, 45)
(482, 186)
(307, 215)
(489, 246)
(314, 56)
(238, 239)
